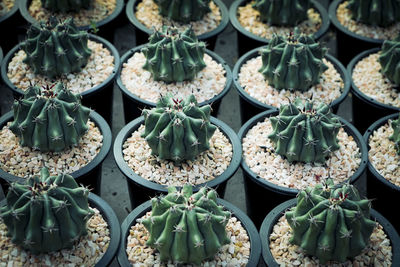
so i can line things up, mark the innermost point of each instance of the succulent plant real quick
(389, 59)
(183, 11)
(331, 222)
(64, 6)
(375, 12)
(186, 227)
(55, 48)
(293, 62)
(395, 137)
(304, 133)
(282, 13)
(46, 214)
(178, 129)
(173, 56)
(49, 118)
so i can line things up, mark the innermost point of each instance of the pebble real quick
(5, 6)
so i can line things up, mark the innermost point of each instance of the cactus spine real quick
(389, 59)
(183, 11)
(395, 137)
(375, 12)
(46, 214)
(65, 6)
(186, 227)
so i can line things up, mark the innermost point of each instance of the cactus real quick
(293, 62)
(64, 6)
(173, 56)
(186, 227)
(178, 129)
(331, 223)
(181, 11)
(55, 48)
(49, 118)
(304, 133)
(46, 214)
(395, 137)
(282, 13)
(389, 59)
(375, 12)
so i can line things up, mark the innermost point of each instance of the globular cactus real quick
(375, 12)
(64, 6)
(304, 133)
(389, 59)
(395, 137)
(186, 227)
(173, 56)
(55, 48)
(46, 214)
(331, 223)
(183, 11)
(293, 62)
(178, 129)
(49, 118)
(282, 13)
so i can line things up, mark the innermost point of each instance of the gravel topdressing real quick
(5, 6)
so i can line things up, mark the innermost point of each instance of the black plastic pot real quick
(261, 195)
(349, 44)
(363, 104)
(89, 175)
(143, 33)
(106, 26)
(248, 41)
(113, 225)
(11, 24)
(141, 189)
(133, 105)
(272, 218)
(249, 106)
(99, 98)
(130, 220)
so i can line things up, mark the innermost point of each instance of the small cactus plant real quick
(183, 11)
(49, 118)
(282, 13)
(173, 56)
(178, 129)
(389, 59)
(331, 223)
(55, 48)
(46, 214)
(186, 227)
(304, 133)
(375, 12)
(64, 6)
(395, 137)
(293, 62)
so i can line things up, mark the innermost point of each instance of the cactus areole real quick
(183, 11)
(64, 6)
(186, 227)
(395, 137)
(46, 214)
(302, 132)
(389, 59)
(331, 222)
(375, 12)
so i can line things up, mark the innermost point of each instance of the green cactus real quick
(49, 118)
(64, 6)
(304, 133)
(46, 214)
(293, 62)
(178, 130)
(183, 11)
(186, 227)
(395, 137)
(173, 56)
(331, 223)
(282, 13)
(389, 59)
(375, 12)
(55, 48)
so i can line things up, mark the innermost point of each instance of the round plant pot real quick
(248, 40)
(249, 106)
(142, 33)
(90, 174)
(272, 218)
(141, 189)
(105, 26)
(261, 195)
(133, 105)
(11, 25)
(113, 225)
(99, 98)
(255, 246)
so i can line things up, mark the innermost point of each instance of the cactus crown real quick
(304, 133)
(186, 227)
(178, 129)
(65, 6)
(331, 222)
(293, 62)
(282, 13)
(173, 56)
(49, 118)
(375, 12)
(389, 59)
(55, 48)
(46, 214)
(395, 137)
(183, 11)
